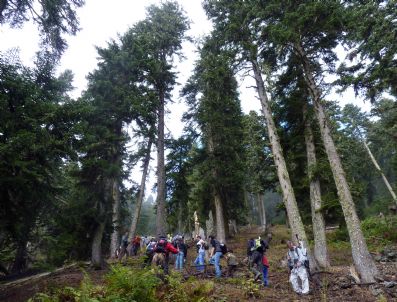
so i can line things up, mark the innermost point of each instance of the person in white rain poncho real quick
(296, 263)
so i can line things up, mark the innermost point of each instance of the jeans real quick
(264, 274)
(199, 262)
(179, 261)
(216, 259)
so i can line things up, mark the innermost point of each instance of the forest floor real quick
(336, 285)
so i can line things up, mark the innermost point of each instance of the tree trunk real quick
(263, 212)
(363, 261)
(161, 219)
(115, 238)
(219, 219)
(209, 224)
(219, 213)
(320, 242)
(180, 219)
(141, 192)
(20, 261)
(389, 187)
(96, 250)
(258, 206)
(96, 246)
(291, 206)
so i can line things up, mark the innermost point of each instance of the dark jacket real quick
(217, 245)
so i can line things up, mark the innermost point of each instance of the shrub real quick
(124, 284)
(380, 231)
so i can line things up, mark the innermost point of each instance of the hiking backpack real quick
(223, 248)
(160, 246)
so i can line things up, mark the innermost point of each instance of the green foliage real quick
(86, 293)
(251, 288)
(175, 292)
(125, 284)
(54, 18)
(122, 285)
(212, 96)
(380, 232)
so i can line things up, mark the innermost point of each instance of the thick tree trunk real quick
(141, 192)
(115, 238)
(209, 224)
(96, 248)
(219, 219)
(20, 261)
(389, 187)
(219, 212)
(363, 261)
(161, 219)
(320, 242)
(291, 206)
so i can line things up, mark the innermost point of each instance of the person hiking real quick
(216, 254)
(149, 252)
(162, 250)
(232, 263)
(256, 262)
(297, 269)
(303, 250)
(136, 243)
(200, 259)
(180, 257)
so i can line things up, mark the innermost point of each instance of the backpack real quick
(223, 248)
(150, 248)
(265, 261)
(160, 246)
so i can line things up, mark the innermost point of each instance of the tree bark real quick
(320, 242)
(180, 219)
(115, 238)
(96, 246)
(96, 249)
(363, 261)
(141, 192)
(20, 261)
(161, 218)
(259, 209)
(219, 219)
(291, 206)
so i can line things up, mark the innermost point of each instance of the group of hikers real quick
(160, 252)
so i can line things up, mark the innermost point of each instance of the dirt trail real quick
(336, 285)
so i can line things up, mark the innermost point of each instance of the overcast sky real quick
(103, 20)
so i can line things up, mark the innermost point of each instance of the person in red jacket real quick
(164, 248)
(136, 244)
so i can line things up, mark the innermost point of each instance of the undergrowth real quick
(122, 285)
(378, 232)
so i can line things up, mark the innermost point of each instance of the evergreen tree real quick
(239, 28)
(54, 18)
(300, 30)
(160, 36)
(218, 114)
(34, 141)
